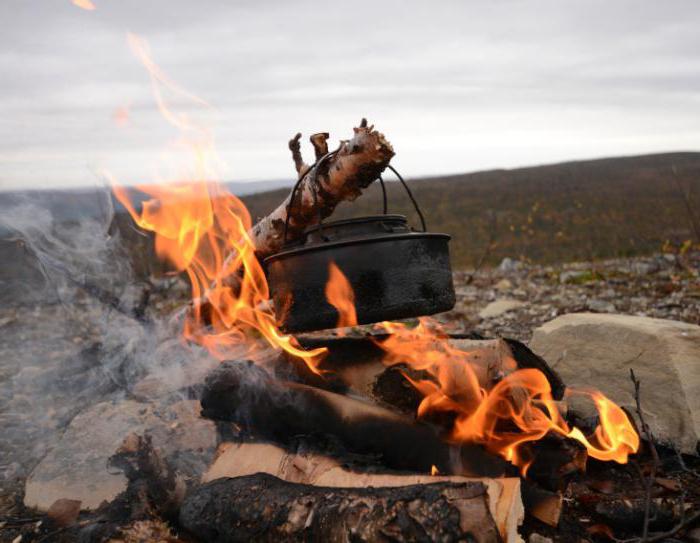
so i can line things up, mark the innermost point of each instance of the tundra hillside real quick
(573, 211)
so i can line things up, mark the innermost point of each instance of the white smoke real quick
(74, 328)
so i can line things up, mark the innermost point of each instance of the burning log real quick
(341, 176)
(262, 507)
(357, 364)
(245, 394)
(242, 459)
(527, 359)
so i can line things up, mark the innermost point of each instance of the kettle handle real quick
(314, 181)
(410, 196)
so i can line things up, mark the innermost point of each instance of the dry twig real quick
(654, 454)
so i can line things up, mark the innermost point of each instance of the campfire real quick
(394, 430)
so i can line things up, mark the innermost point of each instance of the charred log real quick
(242, 393)
(242, 459)
(525, 358)
(555, 460)
(264, 508)
(153, 495)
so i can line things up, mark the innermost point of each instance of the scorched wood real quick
(245, 394)
(356, 363)
(264, 508)
(241, 459)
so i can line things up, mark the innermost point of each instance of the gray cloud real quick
(456, 85)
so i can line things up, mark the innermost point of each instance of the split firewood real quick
(245, 394)
(355, 365)
(341, 176)
(262, 507)
(545, 505)
(241, 459)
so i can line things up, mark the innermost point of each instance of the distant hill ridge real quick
(579, 210)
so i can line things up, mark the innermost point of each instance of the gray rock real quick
(77, 467)
(597, 350)
(499, 307)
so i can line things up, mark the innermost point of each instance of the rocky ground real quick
(514, 298)
(57, 362)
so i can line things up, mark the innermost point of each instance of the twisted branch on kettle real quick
(342, 176)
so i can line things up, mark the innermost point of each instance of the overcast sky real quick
(455, 85)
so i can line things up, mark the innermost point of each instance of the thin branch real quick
(295, 148)
(645, 427)
(655, 456)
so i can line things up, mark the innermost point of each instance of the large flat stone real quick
(597, 351)
(77, 467)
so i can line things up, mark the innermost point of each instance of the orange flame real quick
(84, 4)
(517, 410)
(340, 295)
(202, 229)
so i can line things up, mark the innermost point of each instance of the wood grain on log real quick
(264, 508)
